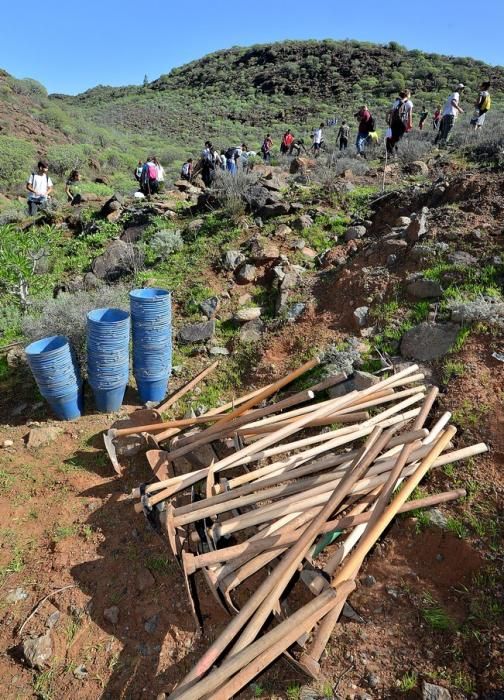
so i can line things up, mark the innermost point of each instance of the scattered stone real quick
(354, 232)
(393, 593)
(360, 316)
(38, 650)
(305, 693)
(368, 581)
(391, 260)
(151, 624)
(7, 443)
(459, 257)
(251, 331)
(145, 580)
(282, 231)
(276, 209)
(43, 435)
(16, 595)
(421, 252)
(424, 288)
(418, 167)
(352, 614)
(363, 380)
(298, 244)
(195, 224)
(112, 614)
(16, 357)
(418, 226)
(434, 692)
(302, 222)
(219, 351)
(197, 332)
(118, 260)
(309, 252)
(295, 311)
(372, 680)
(80, 672)
(436, 517)
(133, 233)
(247, 314)
(428, 341)
(209, 306)
(53, 619)
(130, 445)
(402, 222)
(231, 259)
(91, 281)
(272, 183)
(335, 392)
(439, 557)
(245, 274)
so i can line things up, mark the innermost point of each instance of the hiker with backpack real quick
(208, 164)
(366, 126)
(399, 119)
(72, 188)
(298, 146)
(138, 171)
(287, 140)
(266, 147)
(318, 140)
(423, 116)
(482, 105)
(451, 110)
(343, 136)
(436, 118)
(148, 178)
(187, 170)
(40, 186)
(160, 174)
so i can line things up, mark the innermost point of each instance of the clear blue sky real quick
(72, 46)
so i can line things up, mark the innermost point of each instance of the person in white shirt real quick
(317, 140)
(40, 186)
(451, 110)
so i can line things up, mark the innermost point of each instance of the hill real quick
(230, 96)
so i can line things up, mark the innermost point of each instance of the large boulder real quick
(418, 226)
(245, 274)
(421, 288)
(418, 167)
(257, 197)
(118, 260)
(429, 341)
(302, 222)
(355, 232)
(269, 211)
(197, 332)
(251, 331)
(231, 259)
(434, 692)
(459, 257)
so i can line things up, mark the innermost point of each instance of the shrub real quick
(234, 191)
(66, 315)
(165, 242)
(16, 160)
(414, 146)
(487, 310)
(63, 159)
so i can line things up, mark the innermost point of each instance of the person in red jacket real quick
(366, 125)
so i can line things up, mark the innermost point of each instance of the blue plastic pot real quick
(109, 400)
(68, 407)
(152, 390)
(108, 356)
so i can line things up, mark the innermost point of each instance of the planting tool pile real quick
(252, 492)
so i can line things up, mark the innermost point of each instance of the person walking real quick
(187, 170)
(160, 174)
(287, 139)
(318, 140)
(40, 186)
(451, 110)
(296, 147)
(423, 116)
(266, 147)
(436, 118)
(138, 171)
(73, 188)
(399, 119)
(366, 125)
(482, 105)
(208, 164)
(148, 179)
(343, 136)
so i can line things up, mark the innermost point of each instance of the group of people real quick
(231, 159)
(150, 176)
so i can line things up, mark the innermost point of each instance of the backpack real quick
(152, 171)
(486, 104)
(372, 123)
(230, 153)
(185, 169)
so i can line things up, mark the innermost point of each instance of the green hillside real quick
(229, 96)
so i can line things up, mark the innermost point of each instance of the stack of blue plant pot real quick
(152, 342)
(57, 375)
(108, 356)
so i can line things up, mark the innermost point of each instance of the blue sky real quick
(72, 46)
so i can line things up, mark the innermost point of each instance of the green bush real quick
(63, 159)
(16, 160)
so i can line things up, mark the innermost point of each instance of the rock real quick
(231, 259)
(219, 351)
(341, 389)
(363, 380)
(436, 517)
(272, 183)
(283, 230)
(461, 258)
(151, 624)
(195, 225)
(354, 232)
(7, 443)
(424, 288)
(247, 314)
(209, 306)
(16, 357)
(145, 580)
(302, 222)
(428, 341)
(53, 619)
(42, 435)
(402, 222)
(269, 211)
(91, 281)
(360, 316)
(299, 165)
(417, 167)
(197, 332)
(130, 445)
(16, 595)
(434, 692)
(245, 274)
(257, 197)
(295, 311)
(309, 253)
(133, 234)
(112, 614)
(418, 226)
(80, 672)
(421, 252)
(251, 331)
(262, 252)
(296, 207)
(289, 281)
(372, 680)
(368, 581)
(118, 260)
(37, 651)
(391, 260)
(395, 246)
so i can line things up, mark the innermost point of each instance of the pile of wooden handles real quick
(282, 498)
